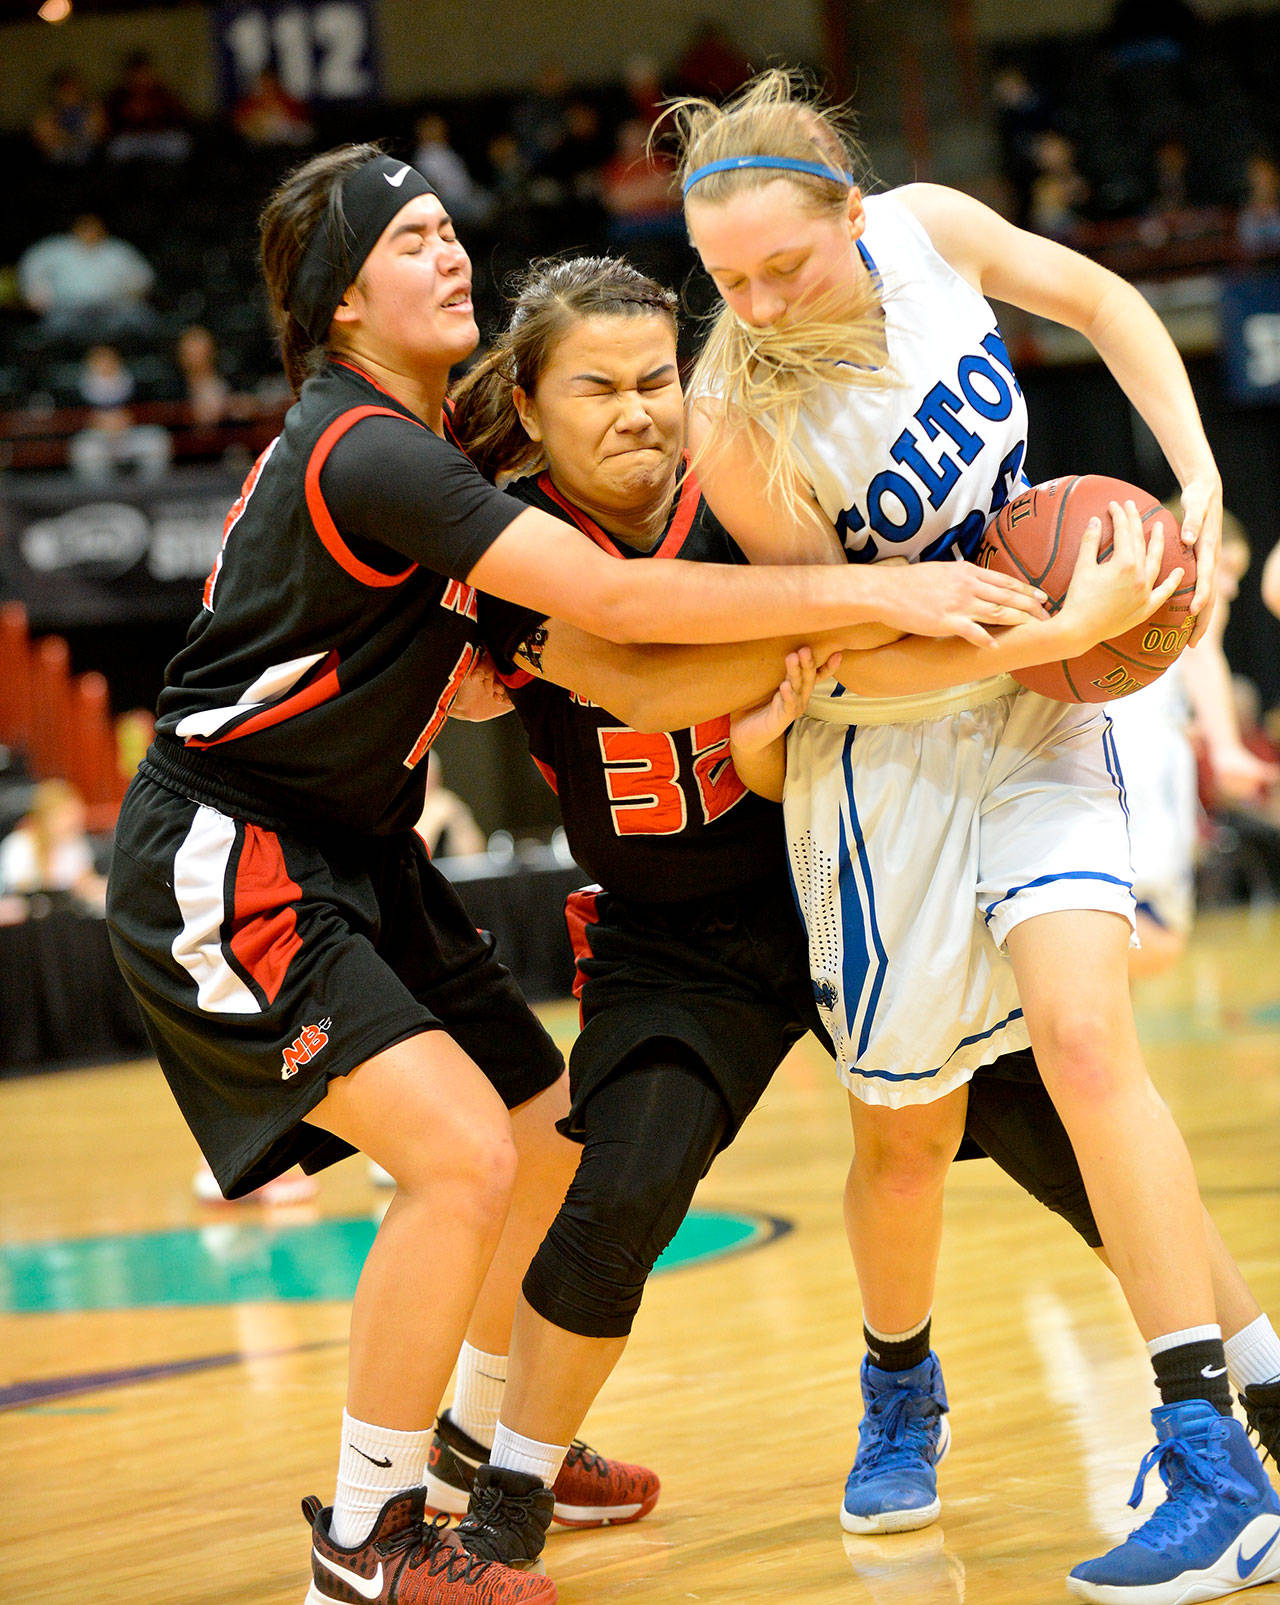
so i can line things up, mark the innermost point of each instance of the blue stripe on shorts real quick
(923, 1075)
(856, 961)
(1065, 875)
(1112, 758)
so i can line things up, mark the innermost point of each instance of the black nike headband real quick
(371, 197)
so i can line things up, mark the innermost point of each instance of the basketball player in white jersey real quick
(958, 845)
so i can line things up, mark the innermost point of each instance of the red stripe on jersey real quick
(461, 669)
(327, 530)
(233, 518)
(264, 923)
(548, 774)
(580, 914)
(677, 531)
(322, 689)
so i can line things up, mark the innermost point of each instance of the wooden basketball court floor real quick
(155, 1453)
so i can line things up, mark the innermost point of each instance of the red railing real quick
(62, 721)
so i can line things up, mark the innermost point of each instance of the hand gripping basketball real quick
(1039, 536)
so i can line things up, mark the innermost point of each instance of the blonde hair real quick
(767, 375)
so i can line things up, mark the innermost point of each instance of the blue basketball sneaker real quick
(893, 1486)
(1217, 1530)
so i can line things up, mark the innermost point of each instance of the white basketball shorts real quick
(916, 848)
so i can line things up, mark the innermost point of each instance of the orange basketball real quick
(1037, 536)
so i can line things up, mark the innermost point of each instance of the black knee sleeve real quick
(1012, 1118)
(650, 1133)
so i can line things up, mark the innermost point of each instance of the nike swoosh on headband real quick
(396, 179)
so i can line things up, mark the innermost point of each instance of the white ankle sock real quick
(375, 1463)
(1253, 1354)
(526, 1454)
(477, 1393)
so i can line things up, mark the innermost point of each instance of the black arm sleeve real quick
(391, 483)
(505, 626)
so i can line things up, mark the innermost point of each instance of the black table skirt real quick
(63, 1002)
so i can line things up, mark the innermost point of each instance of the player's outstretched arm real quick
(545, 564)
(672, 687)
(1103, 600)
(1047, 278)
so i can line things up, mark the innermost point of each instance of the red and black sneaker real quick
(590, 1490)
(408, 1561)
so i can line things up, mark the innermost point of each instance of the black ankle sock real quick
(901, 1355)
(1195, 1370)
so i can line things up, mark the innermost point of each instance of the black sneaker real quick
(508, 1517)
(590, 1490)
(1261, 1401)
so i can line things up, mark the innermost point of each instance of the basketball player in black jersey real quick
(692, 967)
(310, 982)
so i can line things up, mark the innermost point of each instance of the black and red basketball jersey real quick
(656, 817)
(337, 623)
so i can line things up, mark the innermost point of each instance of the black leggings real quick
(651, 1132)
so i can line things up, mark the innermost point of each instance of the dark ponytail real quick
(288, 220)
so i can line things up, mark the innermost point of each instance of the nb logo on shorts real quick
(304, 1048)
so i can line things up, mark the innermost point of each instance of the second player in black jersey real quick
(656, 815)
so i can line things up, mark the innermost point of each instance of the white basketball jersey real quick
(917, 469)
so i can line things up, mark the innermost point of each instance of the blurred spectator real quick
(644, 90)
(573, 168)
(1236, 773)
(447, 825)
(112, 443)
(1170, 190)
(87, 285)
(468, 203)
(638, 187)
(1059, 191)
(1258, 223)
(206, 390)
(71, 125)
(1022, 116)
(267, 114)
(145, 117)
(1147, 32)
(49, 850)
(711, 63)
(538, 118)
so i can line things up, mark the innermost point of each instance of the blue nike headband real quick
(371, 197)
(787, 164)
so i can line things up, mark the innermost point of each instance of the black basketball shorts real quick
(265, 964)
(726, 976)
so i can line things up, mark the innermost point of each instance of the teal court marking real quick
(244, 1262)
(1189, 1025)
